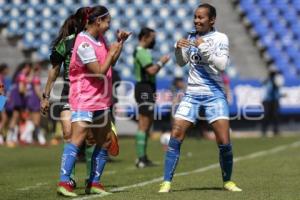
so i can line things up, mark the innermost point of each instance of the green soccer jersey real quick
(142, 60)
(62, 52)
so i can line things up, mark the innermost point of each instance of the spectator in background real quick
(16, 100)
(271, 101)
(145, 88)
(33, 99)
(3, 88)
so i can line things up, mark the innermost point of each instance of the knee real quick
(67, 133)
(90, 140)
(178, 132)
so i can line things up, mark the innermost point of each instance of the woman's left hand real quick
(123, 35)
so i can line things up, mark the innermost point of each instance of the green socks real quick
(89, 149)
(140, 141)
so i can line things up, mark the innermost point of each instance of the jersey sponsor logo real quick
(195, 58)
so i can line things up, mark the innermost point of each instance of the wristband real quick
(160, 64)
(45, 96)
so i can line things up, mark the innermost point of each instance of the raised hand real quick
(122, 36)
(164, 59)
(183, 43)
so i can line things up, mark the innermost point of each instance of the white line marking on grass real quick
(199, 170)
(109, 172)
(32, 187)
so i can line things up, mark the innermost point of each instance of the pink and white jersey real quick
(88, 91)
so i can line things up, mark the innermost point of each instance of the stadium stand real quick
(275, 25)
(37, 23)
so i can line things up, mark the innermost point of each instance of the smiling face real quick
(202, 22)
(104, 23)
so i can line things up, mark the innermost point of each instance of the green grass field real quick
(267, 168)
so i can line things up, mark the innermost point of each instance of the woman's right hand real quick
(114, 48)
(164, 59)
(182, 43)
(45, 104)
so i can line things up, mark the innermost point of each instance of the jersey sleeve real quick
(86, 53)
(144, 58)
(216, 52)
(58, 53)
(181, 56)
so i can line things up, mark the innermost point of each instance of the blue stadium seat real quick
(280, 33)
(38, 21)
(261, 29)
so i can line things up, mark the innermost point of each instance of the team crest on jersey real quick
(195, 57)
(85, 45)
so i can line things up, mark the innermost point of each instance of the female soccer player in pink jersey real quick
(90, 97)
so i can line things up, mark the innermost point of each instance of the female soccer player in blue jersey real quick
(206, 51)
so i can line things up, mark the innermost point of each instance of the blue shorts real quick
(191, 107)
(88, 116)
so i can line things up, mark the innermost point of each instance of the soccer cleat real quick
(66, 189)
(149, 163)
(165, 187)
(73, 183)
(95, 188)
(113, 148)
(144, 162)
(231, 186)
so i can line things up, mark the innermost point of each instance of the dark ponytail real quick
(74, 24)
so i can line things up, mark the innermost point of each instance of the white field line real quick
(109, 172)
(199, 170)
(32, 187)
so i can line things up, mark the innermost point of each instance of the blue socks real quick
(99, 159)
(226, 161)
(171, 159)
(68, 161)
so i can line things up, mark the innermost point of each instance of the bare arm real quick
(52, 76)
(100, 69)
(154, 69)
(122, 37)
(117, 55)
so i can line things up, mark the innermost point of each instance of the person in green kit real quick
(145, 88)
